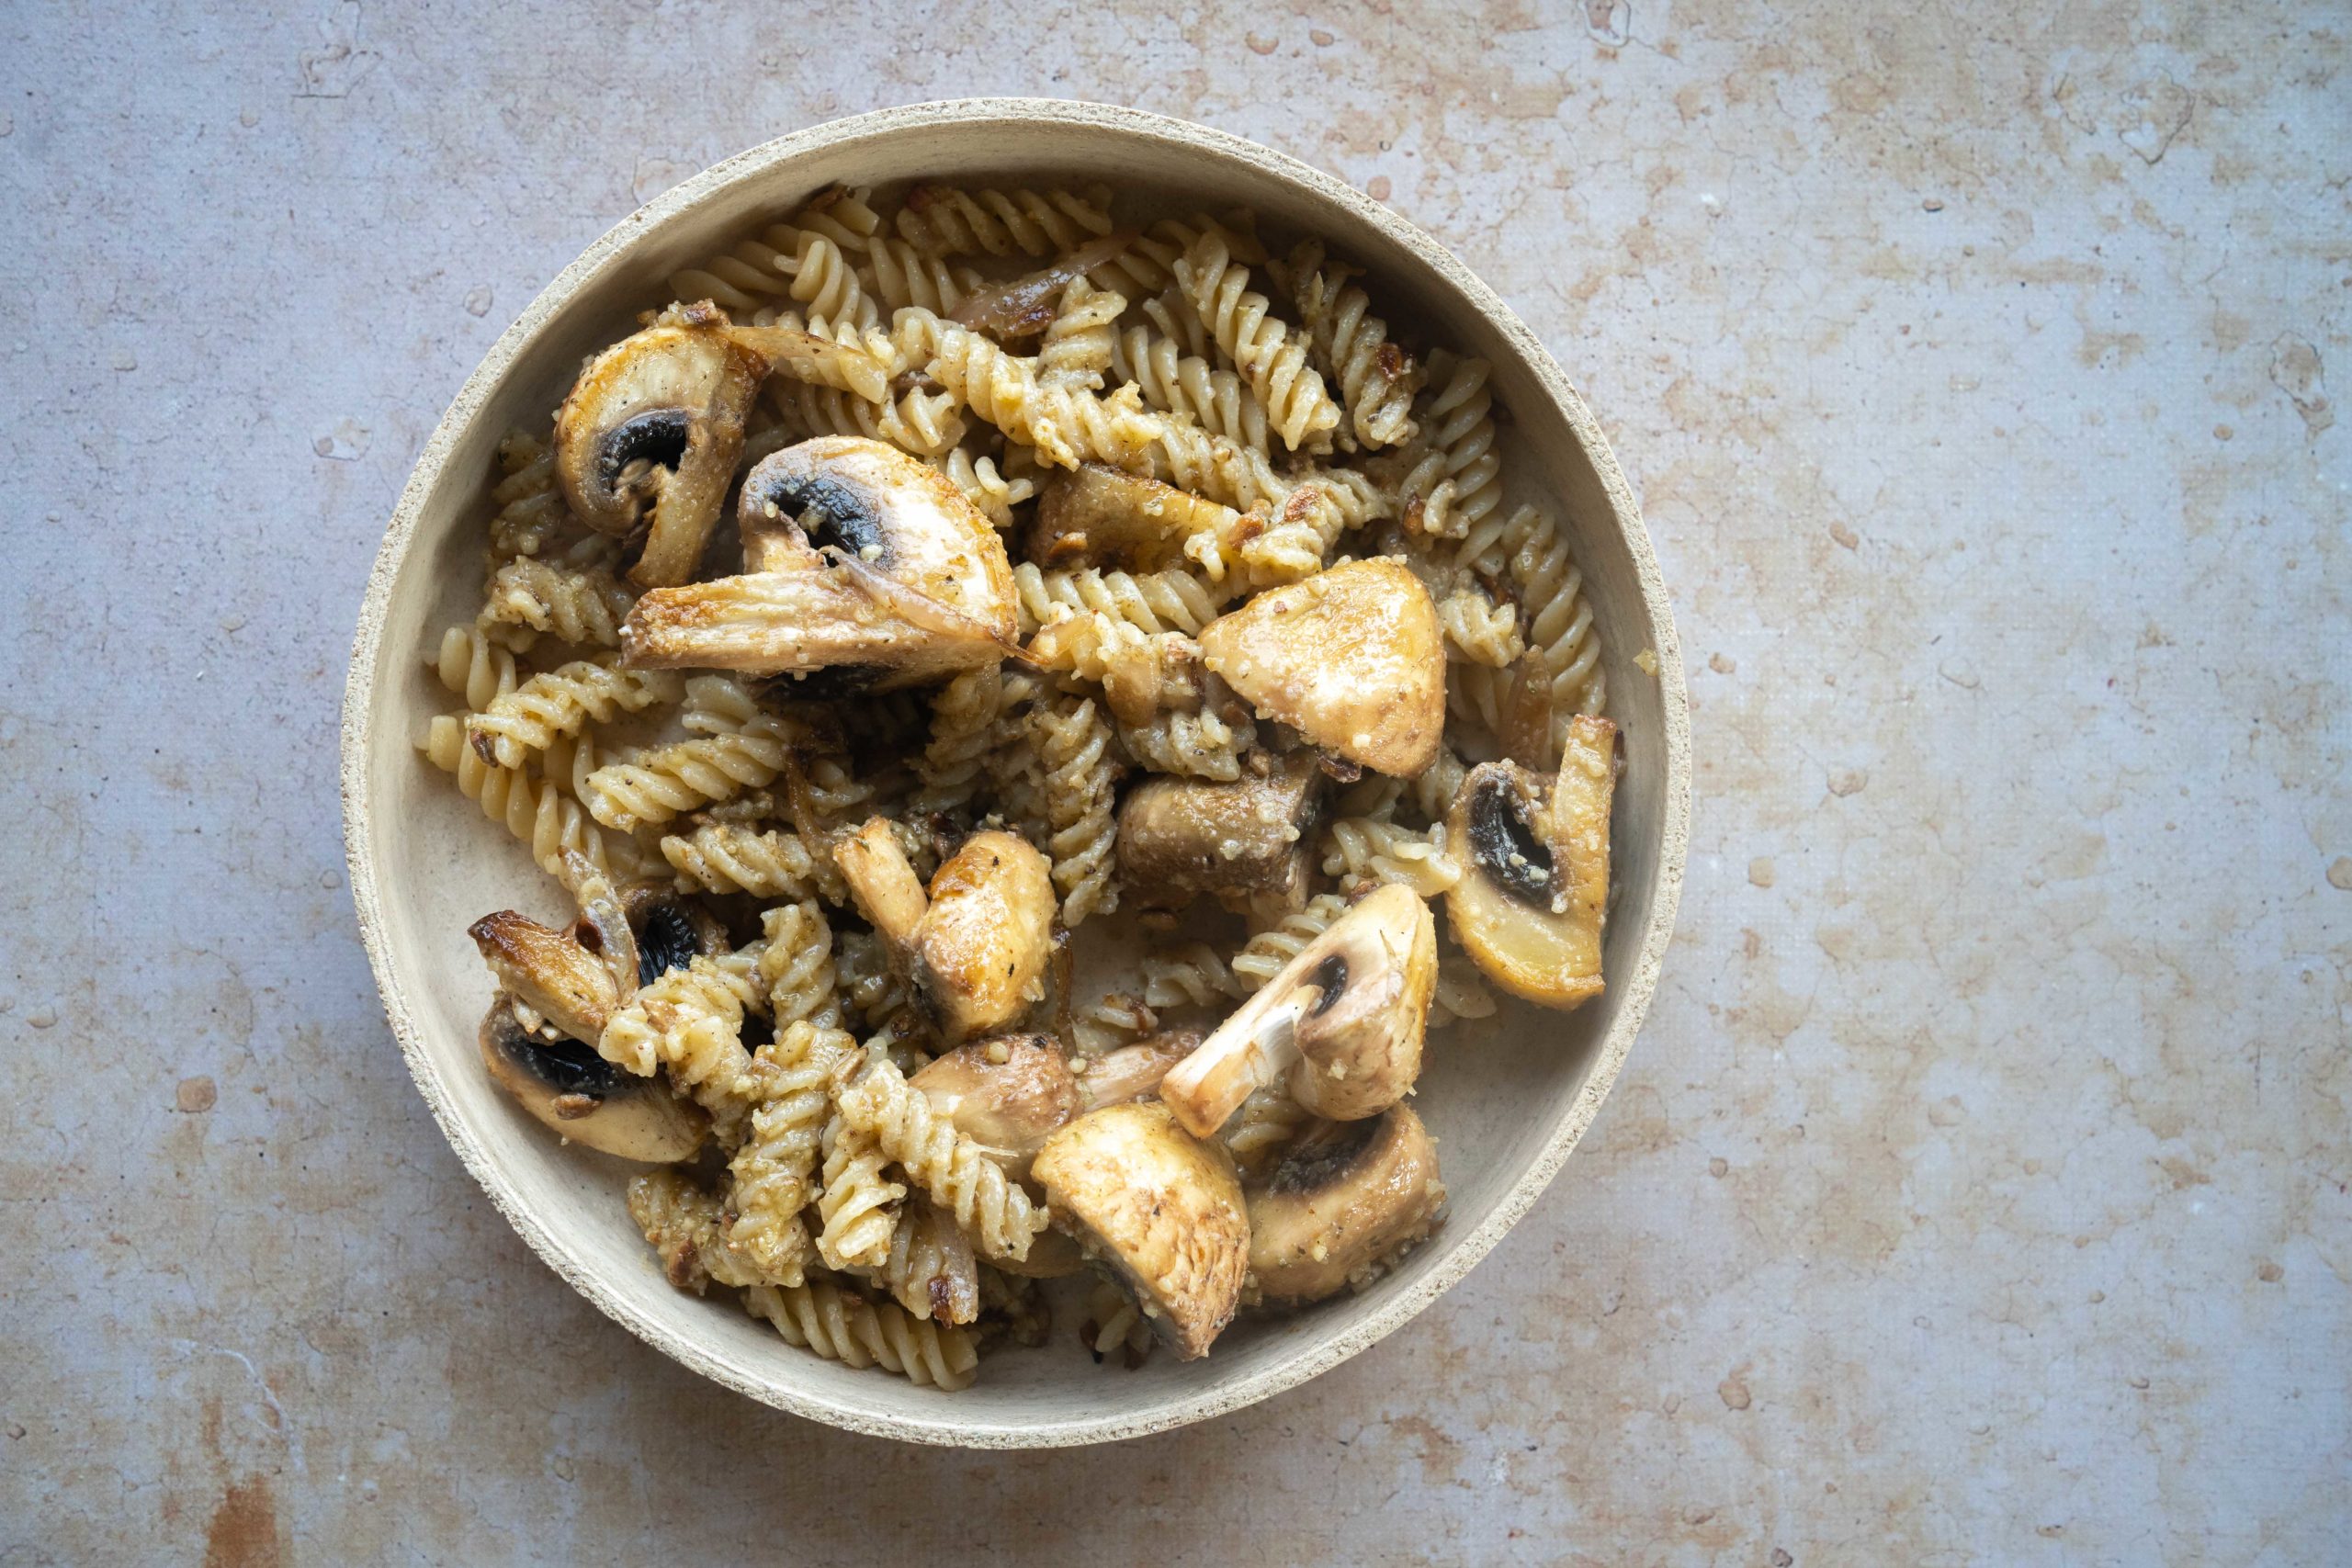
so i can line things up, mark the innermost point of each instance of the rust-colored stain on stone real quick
(1979, 1190)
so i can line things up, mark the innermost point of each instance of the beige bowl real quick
(424, 861)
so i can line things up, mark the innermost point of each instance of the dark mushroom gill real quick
(658, 436)
(565, 1066)
(1325, 1157)
(1507, 847)
(841, 515)
(665, 941)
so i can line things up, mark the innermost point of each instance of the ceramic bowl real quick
(1507, 1104)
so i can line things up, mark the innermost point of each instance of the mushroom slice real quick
(977, 948)
(570, 1087)
(1347, 1199)
(1160, 1209)
(1353, 659)
(1534, 853)
(1344, 1019)
(1101, 516)
(794, 623)
(1181, 838)
(1007, 1094)
(659, 414)
(891, 513)
(1051, 1255)
(670, 933)
(1131, 1072)
(548, 971)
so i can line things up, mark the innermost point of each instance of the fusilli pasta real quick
(993, 1210)
(860, 1202)
(1377, 378)
(772, 1169)
(1081, 779)
(529, 718)
(841, 1325)
(1260, 347)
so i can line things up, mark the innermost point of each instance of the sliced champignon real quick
(1534, 853)
(1131, 1072)
(1353, 659)
(670, 933)
(1343, 1020)
(1101, 516)
(550, 972)
(1159, 1208)
(1181, 839)
(1346, 1200)
(1053, 1255)
(862, 559)
(570, 1087)
(658, 415)
(977, 947)
(1008, 1094)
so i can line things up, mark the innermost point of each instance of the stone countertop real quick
(1978, 1190)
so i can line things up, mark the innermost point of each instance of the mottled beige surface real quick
(1978, 1192)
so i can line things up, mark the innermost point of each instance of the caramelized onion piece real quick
(1025, 304)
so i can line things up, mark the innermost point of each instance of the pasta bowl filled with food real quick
(1015, 772)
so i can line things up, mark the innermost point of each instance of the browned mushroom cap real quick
(862, 558)
(659, 414)
(1181, 838)
(1160, 1209)
(1535, 853)
(1346, 1200)
(567, 1085)
(1008, 1094)
(550, 972)
(1097, 515)
(977, 946)
(1353, 659)
(1343, 1020)
(1131, 1072)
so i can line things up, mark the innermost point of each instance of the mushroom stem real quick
(1255, 1047)
(883, 880)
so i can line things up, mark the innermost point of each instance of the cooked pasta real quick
(841, 1325)
(530, 717)
(1102, 345)
(772, 1172)
(1081, 779)
(1377, 378)
(859, 1204)
(584, 605)
(993, 1210)
(1255, 340)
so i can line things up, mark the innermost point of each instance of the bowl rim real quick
(1464, 1251)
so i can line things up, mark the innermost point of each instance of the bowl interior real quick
(1505, 1102)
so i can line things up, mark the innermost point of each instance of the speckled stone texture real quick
(1978, 1193)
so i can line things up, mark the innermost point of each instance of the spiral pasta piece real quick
(1455, 481)
(1377, 378)
(984, 485)
(473, 667)
(743, 280)
(741, 747)
(1200, 745)
(686, 1228)
(841, 1325)
(1067, 427)
(1461, 992)
(963, 725)
(898, 275)
(1175, 382)
(550, 823)
(993, 1210)
(1189, 975)
(825, 286)
(577, 604)
(531, 511)
(772, 1171)
(1076, 348)
(925, 424)
(797, 974)
(1081, 781)
(859, 1204)
(929, 1269)
(1479, 630)
(690, 1022)
(953, 221)
(1257, 1133)
(1364, 852)
(724, 857)
(1172, 601)
(1260, 346)
(529, 719)
(1433, 789)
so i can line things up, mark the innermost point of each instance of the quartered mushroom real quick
(566, 1085)
(1101, 516)
(1346, 1200)
(976, 947)
(1341, 1023)
(1535, 853)
(1131, 1072)
(1008, 1094)
(1353, 659)
(1244, 843)
(1159, 1208)
(859, 557)
(551, 972)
